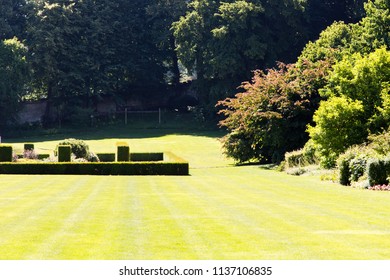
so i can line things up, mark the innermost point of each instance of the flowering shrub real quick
(30, 154)
(380, 188)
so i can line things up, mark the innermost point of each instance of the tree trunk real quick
(48, 116)
(175, 62)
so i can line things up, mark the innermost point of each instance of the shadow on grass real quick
(110, 131)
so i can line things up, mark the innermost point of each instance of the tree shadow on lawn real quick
(113, 131)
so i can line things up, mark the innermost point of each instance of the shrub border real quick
(173, 166)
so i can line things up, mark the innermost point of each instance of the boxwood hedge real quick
(97, 168)
(146, 156)
(5, 153)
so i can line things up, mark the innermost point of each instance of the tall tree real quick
(161, 15)
(13, 18)
(84, 49)
(322, 13)
(13, 78)
(224, 41)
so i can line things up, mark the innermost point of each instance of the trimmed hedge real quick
(28, 147)
(106, 157)
(43, 156)
(378, 171)
(97, 168)
(5, 153)
(344, 172)
(123, 153)
(64, 153)
(78, 147)
(146, 156)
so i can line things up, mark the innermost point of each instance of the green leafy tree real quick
(13, 18)
(358, 92)
(339, 125)
(222, 42)
(322, 13)
(374, 28)
(13, 78)
(161, 14)
(82, 50)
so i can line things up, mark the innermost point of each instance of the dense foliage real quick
(358, 104)
(13, 75)
(270, 116)
(81, 51)
(353, 93)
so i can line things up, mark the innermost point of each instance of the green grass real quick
(219, 212)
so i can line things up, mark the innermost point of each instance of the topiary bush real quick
(78, 147)
(378, 171)
(344, 173)
(28, 147)
(6, 153)
(64, 153)
(123, 153)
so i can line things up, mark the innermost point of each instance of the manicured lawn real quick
(219, 212)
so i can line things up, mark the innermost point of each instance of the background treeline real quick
(334, 101)
(73, 52)
(313, 74)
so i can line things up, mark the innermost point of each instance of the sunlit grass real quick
(219, 212)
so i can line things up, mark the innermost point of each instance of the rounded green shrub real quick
(377, 171)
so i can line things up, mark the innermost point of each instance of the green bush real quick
(338, 126)
(380, 143)
(123, 153)
(378, 171)
(64, 153)
(294, 158)
(106, 157)
(5, 153)
(344, 173)
(28, 147)
(92, 157)
(352, 163)
(357, 167)
(303, 157)
(78, 147)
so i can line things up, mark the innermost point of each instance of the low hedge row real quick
(97, 168)
(146, 156)
(106, 157)
(110, 157)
